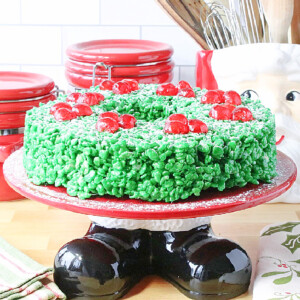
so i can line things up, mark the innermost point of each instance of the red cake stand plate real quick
(210, 203)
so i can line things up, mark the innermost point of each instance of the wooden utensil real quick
(295, 27)
(279, 15)
(215, 25)
(187, 14)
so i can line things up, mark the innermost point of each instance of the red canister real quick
(19, 92)
(142, 60)
(8, 144)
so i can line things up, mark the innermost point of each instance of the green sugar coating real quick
(144, 162)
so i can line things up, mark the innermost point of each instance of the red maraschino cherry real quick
(59, 105)
(178, 118)
(167, 89)
(121, 88)
(82, 109)
(73, 97)
(176, 124)
(109, 114)
(64, 114)
(221, 93)
(176, 128)
(183, 85)
(229, 106)
(221, 112)
(90, 98)
(107, 124)
(232, 97)
(106, 85)
(197, 126)
(127, 121)
(213, 97)
(133, 84)
(242, 114)
(187, 93)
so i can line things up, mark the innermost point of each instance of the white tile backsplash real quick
(37, 45)
(133, 12)
(10, 12)
(175, 75)
(34, 34)
(10, 68)
(185, 47)
(72, 34)
(60, 12)
(187, 73)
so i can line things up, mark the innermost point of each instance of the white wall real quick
(34, 34)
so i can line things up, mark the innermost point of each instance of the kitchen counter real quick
(39, 231)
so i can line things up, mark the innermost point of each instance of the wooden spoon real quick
(279, 15)
(295, 28)
(187, 14)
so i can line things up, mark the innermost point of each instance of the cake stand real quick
(129, 239)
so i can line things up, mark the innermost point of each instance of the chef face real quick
(278, 92)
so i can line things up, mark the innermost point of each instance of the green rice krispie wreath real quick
(148, 161)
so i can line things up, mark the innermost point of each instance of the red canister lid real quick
(120, 51)
(22, 85)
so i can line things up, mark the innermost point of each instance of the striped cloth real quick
(22, 277)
